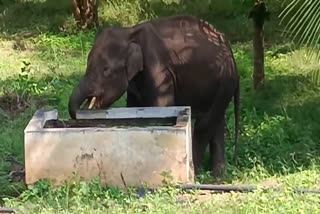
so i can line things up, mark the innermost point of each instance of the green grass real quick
(43, 55)
(92, 198)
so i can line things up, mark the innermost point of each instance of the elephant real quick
(179, 60)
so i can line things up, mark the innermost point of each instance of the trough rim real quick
(183, 114)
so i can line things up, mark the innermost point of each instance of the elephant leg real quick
(200, 142)
(216, 124)
(134, 92)
(217, 149)
(132, 99)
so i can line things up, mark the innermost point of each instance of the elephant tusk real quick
(92, 102)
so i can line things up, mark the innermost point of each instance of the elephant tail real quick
(236, 100)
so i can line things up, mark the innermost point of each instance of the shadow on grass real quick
(31, 18)
(230, 17)
(26, 19)
(277, 92)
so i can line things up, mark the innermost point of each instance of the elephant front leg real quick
(133, 100)
(134, 94)
(217, 150)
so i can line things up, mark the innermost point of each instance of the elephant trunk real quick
(79, 95)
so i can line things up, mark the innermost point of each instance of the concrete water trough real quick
(134, 146)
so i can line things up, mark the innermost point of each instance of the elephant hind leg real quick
(216, 124)
(217, 150)
(200, 142)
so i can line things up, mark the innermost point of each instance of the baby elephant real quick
(173, 61)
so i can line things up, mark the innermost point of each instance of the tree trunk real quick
(259, 14)
(85, 13)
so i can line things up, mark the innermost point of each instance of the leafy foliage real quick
(304, 21)
(303, 25)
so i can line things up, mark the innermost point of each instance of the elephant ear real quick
(135, 60)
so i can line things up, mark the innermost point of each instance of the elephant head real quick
(113, 61)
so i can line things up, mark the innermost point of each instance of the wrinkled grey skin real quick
(179, 60)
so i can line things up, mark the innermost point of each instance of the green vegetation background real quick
(43, 55)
